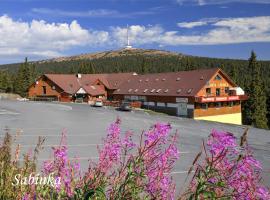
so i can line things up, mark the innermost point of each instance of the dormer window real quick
(218, 77)
(179, 90)
(189, 90)
(178, 79)
(145, 90)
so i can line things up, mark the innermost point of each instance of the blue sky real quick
(41, 29)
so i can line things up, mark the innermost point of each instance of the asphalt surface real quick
(86, 126)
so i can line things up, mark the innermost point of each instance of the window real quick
(44, 89)
(227, 90)
(208, 91)
(217, 91)
(204, 106)
(224, 104)
(231, 104)
(218, 104)
(218, 78)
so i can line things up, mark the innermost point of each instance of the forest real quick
(251, 75)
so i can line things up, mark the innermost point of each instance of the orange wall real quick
(213, 84)
(37, 89)
(212, 110)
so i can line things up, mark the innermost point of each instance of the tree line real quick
(251, 75)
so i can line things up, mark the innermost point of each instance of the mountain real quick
(115, 53)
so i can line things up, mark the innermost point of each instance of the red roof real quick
(185, 83)
(94, 90)
(70, 83)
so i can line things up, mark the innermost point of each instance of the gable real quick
(81, 91)
(219, 80)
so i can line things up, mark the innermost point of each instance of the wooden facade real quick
(207, 94)
(216, 100)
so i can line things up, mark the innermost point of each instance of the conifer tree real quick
(23, 78)
(256, 104)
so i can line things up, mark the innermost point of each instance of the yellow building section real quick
(235, 118)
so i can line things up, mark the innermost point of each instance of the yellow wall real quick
(235, 118)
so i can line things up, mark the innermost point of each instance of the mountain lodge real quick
(205, 94)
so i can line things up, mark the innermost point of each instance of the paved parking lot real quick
(86, 126)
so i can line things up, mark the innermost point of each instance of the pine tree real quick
(23, 79)
(233, 73)
(144, 68)
(257, 97)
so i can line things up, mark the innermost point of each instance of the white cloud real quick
(40, 38)
(192, 24)
(223, 31)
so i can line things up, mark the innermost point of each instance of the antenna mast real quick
(128, 45)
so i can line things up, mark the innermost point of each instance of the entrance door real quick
(182, 109)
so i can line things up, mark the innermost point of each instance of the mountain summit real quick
(115, 53)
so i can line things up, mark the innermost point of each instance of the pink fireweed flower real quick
(63, 168)
(111, 151)
(236, 167)
(159, 161)
(159, 132)
(127, 142)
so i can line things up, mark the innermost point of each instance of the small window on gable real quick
(218, 77)
(208, 91)
(227, 90)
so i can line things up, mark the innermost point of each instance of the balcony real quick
(208, 99)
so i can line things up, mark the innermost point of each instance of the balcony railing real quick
(220, 98)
